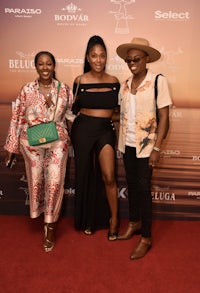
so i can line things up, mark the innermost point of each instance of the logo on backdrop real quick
(196, 159)
(171, 15)
(170, 153)
(162, 194)
(121, 16)
(70, 192)
(116, 64)
(71, 15)
(169, 61)
(158, 193)
(1, 194)
(176, 115)
(194, 194)
(67, 62)
(23, 62)
(23, 12)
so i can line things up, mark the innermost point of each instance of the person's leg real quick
(144, 188)
(34, 160)
(83, 144)
(144, 191)
(130, 164)
(107, 164)
(54, 172)
(34, 163)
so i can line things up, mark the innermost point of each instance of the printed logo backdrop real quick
(63, 28)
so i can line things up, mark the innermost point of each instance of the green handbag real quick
(44, 132)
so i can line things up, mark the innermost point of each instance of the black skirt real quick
(89, 135)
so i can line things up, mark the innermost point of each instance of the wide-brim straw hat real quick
(139, 44)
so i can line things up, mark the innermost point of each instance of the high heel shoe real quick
(88, 231)
(48, 244)
(112, 234)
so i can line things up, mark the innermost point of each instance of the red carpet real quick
(92, 264)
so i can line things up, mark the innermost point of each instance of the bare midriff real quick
(102, 113)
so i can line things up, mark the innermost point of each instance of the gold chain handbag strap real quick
(58, 90)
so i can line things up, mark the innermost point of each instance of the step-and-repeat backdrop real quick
(63, 27)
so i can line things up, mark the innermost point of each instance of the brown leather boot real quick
(141, 248)
(133, 227)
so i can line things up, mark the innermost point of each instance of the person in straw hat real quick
(141, 136)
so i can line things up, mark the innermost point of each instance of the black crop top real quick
(97, 100)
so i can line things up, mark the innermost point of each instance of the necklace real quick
(134, 87)
(46, 92)
(44, 85)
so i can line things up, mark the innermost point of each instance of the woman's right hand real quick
(10, 160)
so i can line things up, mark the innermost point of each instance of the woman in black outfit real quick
(93, 138)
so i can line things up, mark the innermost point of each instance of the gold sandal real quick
(88, 231)
(48, 244)
(113, 234)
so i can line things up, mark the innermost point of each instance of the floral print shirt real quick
(145, 115)
(31, 109)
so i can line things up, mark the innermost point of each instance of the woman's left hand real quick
(154, 158)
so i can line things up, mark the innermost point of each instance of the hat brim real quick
(153, 54)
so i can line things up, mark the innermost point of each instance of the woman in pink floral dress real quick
(41, 101)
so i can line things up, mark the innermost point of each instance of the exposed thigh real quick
(107, 161)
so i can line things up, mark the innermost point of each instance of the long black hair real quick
(93, 41)
(50, 55)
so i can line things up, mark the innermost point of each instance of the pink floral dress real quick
(46, 164)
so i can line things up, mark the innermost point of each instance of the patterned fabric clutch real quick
(42, 133)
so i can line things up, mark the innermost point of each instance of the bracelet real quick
(156, 149)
